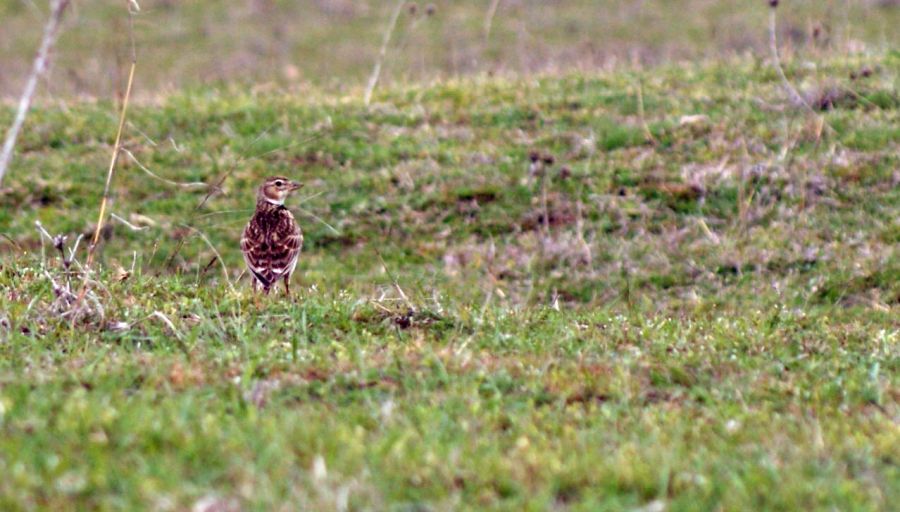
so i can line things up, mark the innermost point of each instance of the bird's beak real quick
(295, 185)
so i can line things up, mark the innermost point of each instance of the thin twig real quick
(42, 231)
(74, 248)
(57, 8)
(382, 53)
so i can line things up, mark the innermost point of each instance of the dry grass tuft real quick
(79, 308)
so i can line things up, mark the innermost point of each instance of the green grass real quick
(708, 322)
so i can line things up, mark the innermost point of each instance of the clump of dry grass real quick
(69, 303)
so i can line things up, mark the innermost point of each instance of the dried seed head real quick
(565, 173)
(548, 159)
(773, 3)
(412, 8)
(534, 156)
(431, 9)
(58, 242)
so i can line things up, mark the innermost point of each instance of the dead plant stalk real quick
(795, 95)
(112, 165)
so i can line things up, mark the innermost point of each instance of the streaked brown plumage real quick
(272, 240)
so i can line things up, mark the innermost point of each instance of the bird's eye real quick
(279, 183)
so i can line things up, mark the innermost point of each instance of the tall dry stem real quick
(112, 166)
(132, 9)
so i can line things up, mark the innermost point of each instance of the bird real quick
(272, 240)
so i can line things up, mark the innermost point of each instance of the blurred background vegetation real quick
(333, 43)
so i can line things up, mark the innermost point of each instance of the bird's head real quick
(276, 189)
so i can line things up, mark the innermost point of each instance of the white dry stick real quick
(128, 224)
(376, 71)
(489, 18)
(162, 317)
(773, 43)
(57, 7)
(796, 97)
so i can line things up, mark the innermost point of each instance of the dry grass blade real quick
(128, 224)
(191, 184)
(179, 339)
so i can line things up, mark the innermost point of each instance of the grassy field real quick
(653, 289)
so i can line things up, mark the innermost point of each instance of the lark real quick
(272, 240)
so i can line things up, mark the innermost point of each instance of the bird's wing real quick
(286, 243)
(255, 248)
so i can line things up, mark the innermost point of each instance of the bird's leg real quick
(287, 285)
